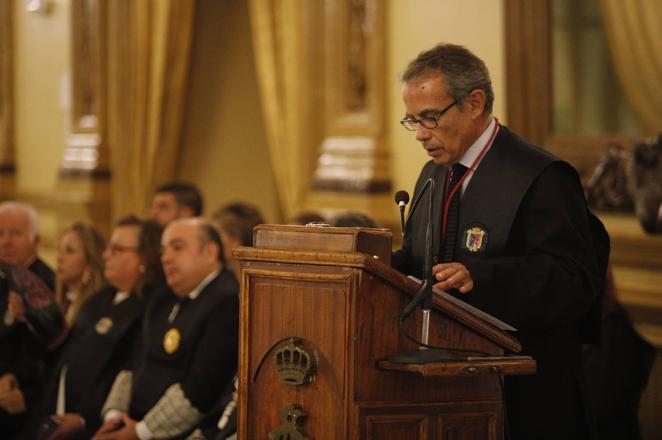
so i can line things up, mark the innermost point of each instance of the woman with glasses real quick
(106, 331)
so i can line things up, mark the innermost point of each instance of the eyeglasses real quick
(117, 248)
(411, 124)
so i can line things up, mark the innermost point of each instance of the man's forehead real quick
(424, 93)
(14, 218)
(165, 197)
(179, 230)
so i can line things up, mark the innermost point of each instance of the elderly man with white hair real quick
(21, 350)
(19, 240)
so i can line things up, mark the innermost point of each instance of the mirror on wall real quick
(587, 96)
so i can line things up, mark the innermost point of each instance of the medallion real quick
(103, 325)
(171, 340)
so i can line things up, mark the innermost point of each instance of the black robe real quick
(535, 266)
(102, 342)
(204, 361)
(25, 356)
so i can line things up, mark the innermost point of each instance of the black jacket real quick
(536, 268)
(101, 342)
(204, 361)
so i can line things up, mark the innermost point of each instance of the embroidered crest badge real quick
(475, 238)
(103, 325)
(171, 340)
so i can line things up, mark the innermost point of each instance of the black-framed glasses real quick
(411, 124)
(114, 249)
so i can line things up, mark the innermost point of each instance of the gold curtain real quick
(633, 33)
(280, 48)
(149, 44)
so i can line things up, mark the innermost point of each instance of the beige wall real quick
(415, 25)
(41, 59)
(224, 148)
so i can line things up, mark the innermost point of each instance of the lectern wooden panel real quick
(317, 327)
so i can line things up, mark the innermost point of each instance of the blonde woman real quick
(79, 268)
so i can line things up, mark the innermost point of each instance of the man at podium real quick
(511, 236)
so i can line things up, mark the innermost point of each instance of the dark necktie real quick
(453, 215)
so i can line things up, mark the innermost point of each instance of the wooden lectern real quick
(319, 317)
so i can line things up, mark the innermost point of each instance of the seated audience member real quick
(79, 268)
(189, 356)
(107, 330)
(19, 240)
(235, 223)
(305, 217)
(353, 219)
(21, 349)
(175, 200)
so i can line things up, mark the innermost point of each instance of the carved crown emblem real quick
(294, 363)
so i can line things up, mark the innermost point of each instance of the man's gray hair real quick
(463, 72)
(28, 210)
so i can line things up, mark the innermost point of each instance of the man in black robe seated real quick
(190, 342)
(21, 370)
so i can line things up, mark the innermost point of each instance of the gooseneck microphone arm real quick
(425, 292)
(425, 353)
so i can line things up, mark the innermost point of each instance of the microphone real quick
(425, 293)
(425, 354)
(402, 198)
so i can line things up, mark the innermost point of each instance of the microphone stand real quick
(424, 354)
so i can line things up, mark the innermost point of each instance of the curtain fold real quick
(632, 29)
(149, 56)
(278, 42)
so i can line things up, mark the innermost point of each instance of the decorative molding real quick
(354, 157)
(350, 164)
(7, 161)
(86, 150)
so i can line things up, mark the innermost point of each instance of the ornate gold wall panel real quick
(353, 156)
(7, 166)
(353, 169)
(84, 181)
(86, 151)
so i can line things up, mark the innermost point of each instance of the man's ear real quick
(212, 249)
(476, 103)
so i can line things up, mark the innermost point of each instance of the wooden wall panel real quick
(7, 166)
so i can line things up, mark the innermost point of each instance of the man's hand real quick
(11, 396)
(15, 306)
(109, 426)
(453, 276)
(117, 429)
(69, 424)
